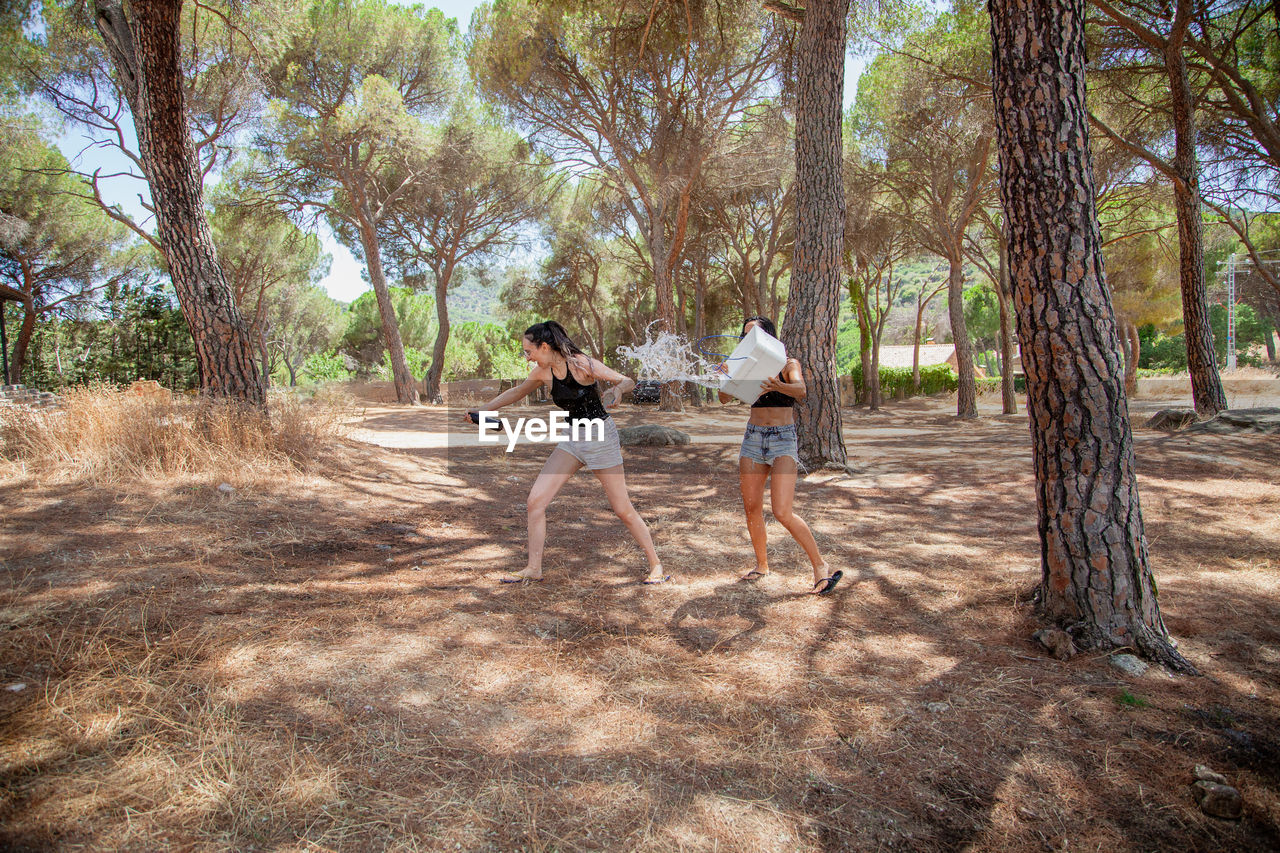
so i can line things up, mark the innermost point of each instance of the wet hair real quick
(764, 323)
(552, 334)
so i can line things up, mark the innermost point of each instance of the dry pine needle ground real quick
(321, 659)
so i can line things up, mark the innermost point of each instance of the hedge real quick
(896, 381)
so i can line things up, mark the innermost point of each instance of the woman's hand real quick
(772, 384)
(612, 396)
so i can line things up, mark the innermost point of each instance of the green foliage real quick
(982, 315)
(414, 311)
(1249, 333)
(848, 347)
(136, 331)
(483, 351)
(416, 359)
(896, 381)
(325, 367)
(1158, 351)
(1168, 353)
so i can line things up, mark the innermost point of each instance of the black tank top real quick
(582, 402)
(774, 399)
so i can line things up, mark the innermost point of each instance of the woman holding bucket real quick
(572, 375)
(770, 449)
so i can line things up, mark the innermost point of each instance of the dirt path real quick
(330, 664)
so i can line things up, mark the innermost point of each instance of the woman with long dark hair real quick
(770, 450)
(572, 376)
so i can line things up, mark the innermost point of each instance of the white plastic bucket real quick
(757, 356)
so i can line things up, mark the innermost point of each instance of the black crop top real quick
(774, 399)
(582, 402)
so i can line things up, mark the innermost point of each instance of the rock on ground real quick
(1172, 420)
(652, 435)
(1264, 420)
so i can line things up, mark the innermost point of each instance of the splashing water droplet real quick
(669, 357)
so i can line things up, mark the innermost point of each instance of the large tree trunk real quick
(1008, 396)
(406, 389)
(967, 387)
(22, 342)
(431, 384)
(870, 376)
(1206, 385)
(1096, 575)
(1132, 350)
(144, 48)
(671, 399)
(916, 341)
(813, 306)
(699, 321)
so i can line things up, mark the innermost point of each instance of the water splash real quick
(670, 357)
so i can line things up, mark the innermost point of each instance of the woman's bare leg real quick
(751, 478)
(782, 493)
(559, 467)
(615, 489)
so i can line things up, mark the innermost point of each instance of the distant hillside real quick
(474, 297)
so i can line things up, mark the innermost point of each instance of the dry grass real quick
(326, 663)
(103, 434)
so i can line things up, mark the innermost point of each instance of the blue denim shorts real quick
(765, 444)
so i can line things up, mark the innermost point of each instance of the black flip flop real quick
(514, 578)
(752, 576)
(830, 582)
(655, 581)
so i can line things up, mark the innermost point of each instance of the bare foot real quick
(825, 585)
(657, 575)
(523, 576)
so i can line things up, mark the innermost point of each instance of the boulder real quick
(1265, 420)
(652, 435)
(1172, 420)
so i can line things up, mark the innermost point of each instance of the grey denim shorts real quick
(605, 452)
(765, 444)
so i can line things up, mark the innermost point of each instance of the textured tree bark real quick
(967, 387)
(1008, 396)
(1096, 575)
(870, 377)
(1132, 350)
(431, 383)
(664, 300)
(144, 49)
(1206, 385)
(813, 305)
(20, 345)
(406, 389)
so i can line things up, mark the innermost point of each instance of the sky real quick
(346, 280)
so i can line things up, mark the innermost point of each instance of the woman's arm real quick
(511, 395)
(793, 386)
(601, 372)
(723, 369)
